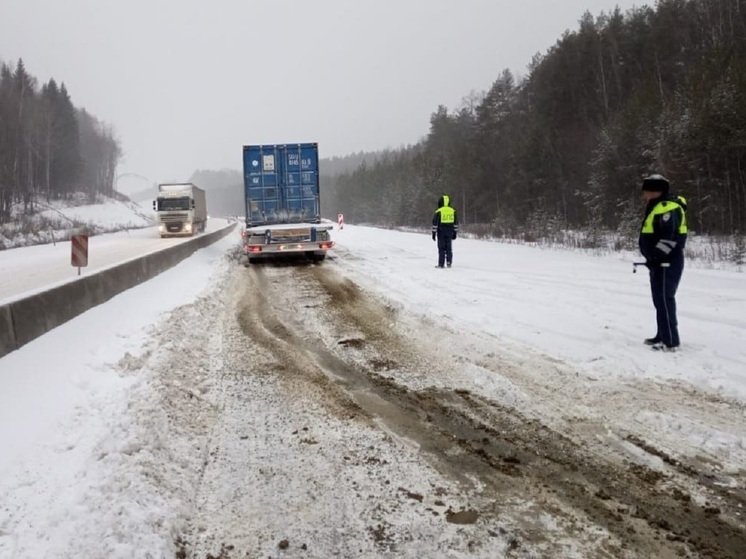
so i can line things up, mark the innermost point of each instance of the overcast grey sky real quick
(186, 83)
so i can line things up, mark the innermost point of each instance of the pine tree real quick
(7, 135)
(50, 132)
(22, 100)
(67, 166)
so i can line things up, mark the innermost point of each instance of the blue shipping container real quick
(281, 184)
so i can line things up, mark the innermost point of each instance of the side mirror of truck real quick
(193, 204)
(155, 205)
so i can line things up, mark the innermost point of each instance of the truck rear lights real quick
(253, 249)
(326, 245)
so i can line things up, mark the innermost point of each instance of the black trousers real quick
(663, 285)
(445, 252)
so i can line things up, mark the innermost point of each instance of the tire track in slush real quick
(277, 474)
(470, 438)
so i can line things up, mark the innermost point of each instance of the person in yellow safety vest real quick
(662, 241)
(445, 227)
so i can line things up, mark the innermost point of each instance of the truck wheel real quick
(318, 257)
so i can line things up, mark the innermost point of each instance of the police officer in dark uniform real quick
(445, 226)
(662, 241)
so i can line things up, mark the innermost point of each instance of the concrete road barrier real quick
(26, 319)
(7, 335)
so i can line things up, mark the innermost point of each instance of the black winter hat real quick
(655, 183)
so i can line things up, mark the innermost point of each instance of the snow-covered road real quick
(375, 406)
(27, 270)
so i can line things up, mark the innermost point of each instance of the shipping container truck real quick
(181, 209)
(283, 213)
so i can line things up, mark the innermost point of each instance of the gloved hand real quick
(454, 235)
(433, 235)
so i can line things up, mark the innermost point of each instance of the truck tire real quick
(318, 257)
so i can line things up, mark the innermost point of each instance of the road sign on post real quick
(79, 256)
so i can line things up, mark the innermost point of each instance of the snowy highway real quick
(27, 270)
(373, 405)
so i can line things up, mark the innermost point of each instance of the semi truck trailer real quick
(283, 213)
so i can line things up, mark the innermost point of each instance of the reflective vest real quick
(447, 213)
(664, 207)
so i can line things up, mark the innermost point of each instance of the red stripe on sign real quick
(79, 256)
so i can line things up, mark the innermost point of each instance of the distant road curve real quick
(28, 270)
